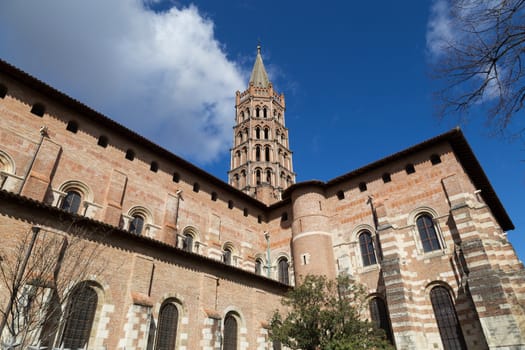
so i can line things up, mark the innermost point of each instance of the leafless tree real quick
(39, 270)
(478, 50)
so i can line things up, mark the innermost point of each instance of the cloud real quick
(440, 29)
(161, 73)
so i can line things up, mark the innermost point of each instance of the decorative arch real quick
(190, 238)
(169, 316)
(72, 196)
(138, 220)
(232, 323)
(7, 164)
(283, 265)
(228, 253)
(426, 230)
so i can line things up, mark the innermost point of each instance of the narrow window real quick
(259, 219)
(340, 195)
(269, 176)
(130, 154)
(427, 233)
(245, 211)
(362, 186)
(136, 225)
(38, 109)
(230, 333)
(102, 141)
(266, 134)
(3, 90)
(265, 112)
(230, 204)
(284, 216)
(257, 133)
(386, 178)
(258, 266)
(72, 126)
(176, 177)
(257, 112)
(214, 196)
(267, 154)
(227, 256)
(367, 249)
(187, 243)
(154, 167)
(447, 319)
(71, 202)
(435, 159)
(258, 177)
(257, 153)
(380, 318)
(82, 308)
(167, 329)
(196, 187)
(410, 169)
(282, 266)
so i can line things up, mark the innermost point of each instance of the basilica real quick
(137, 248)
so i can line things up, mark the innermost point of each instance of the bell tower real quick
(261, 160)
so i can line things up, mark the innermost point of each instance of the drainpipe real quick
(268, 262)
(179, 197)
(43, 133)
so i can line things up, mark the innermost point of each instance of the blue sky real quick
(355, 75)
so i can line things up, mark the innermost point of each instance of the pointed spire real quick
(259, 77)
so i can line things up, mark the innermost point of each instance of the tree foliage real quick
(479, 51)
(326, 314)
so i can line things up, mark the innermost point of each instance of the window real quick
(267, 154)
(379, 315)
(386, 178)
(265, 112)
(38, 109)
(257, 112)
(258, 177)
(82, 308)
(245, 212)
(176, 177)
(367, 249)
(340, 195)
(227, 256)
(427, 233)
(72, 126)
(447, 319)
(230, 204)
(136, 224)
(3, 90)
(154, 166)
(266, 133)
(282, 266)
(410, 169)
(435, 159)
(269, 176)
(214, 196)
(230, 332)
(102, 141)
(167, 329)
(284, 216)
(196, 187)
(362, 186)
(257, 153)
(130, 154)
(257, 133)
(187, 243)
(258, 266)
(71, 202)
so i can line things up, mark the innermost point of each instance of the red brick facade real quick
(201, 238)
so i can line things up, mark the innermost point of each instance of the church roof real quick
(259, 77)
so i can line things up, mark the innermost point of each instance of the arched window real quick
(71, 202)
(136, 224)
(267, 154)
(79, 318)
(257, 153)
(230, 332)
(427, 233)
(269, 176)
(379, 315)
(167, 329)
(227, 255)
(367, 248)
(257, 112)
(187, 242)
(258, 176)
(266, 133)
(447, 319)
(282, 266)
(258, 266)
(265, 112)
(257, 133)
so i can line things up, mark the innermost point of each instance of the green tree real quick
(326, 314)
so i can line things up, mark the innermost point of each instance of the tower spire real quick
(261, 161)
(259, 76)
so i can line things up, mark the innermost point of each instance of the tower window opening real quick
(269, 176)
(267, 154)
(266, 133)
(245, 211)
(410, 169)
(136, 225)
(257, 112)
(230, 204)
(265, 113)
(257, 153)
(340, 195)
(196, 187)
(435, 159)
(176, 177)
(362, 186)
(72, 126)
(284, 216)
(386, 178)
(214, 196)
(258, 177)
(259, 219)
(257, 133)
(3, 90)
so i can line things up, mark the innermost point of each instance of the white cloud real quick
(163, 74)
(440, 29)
